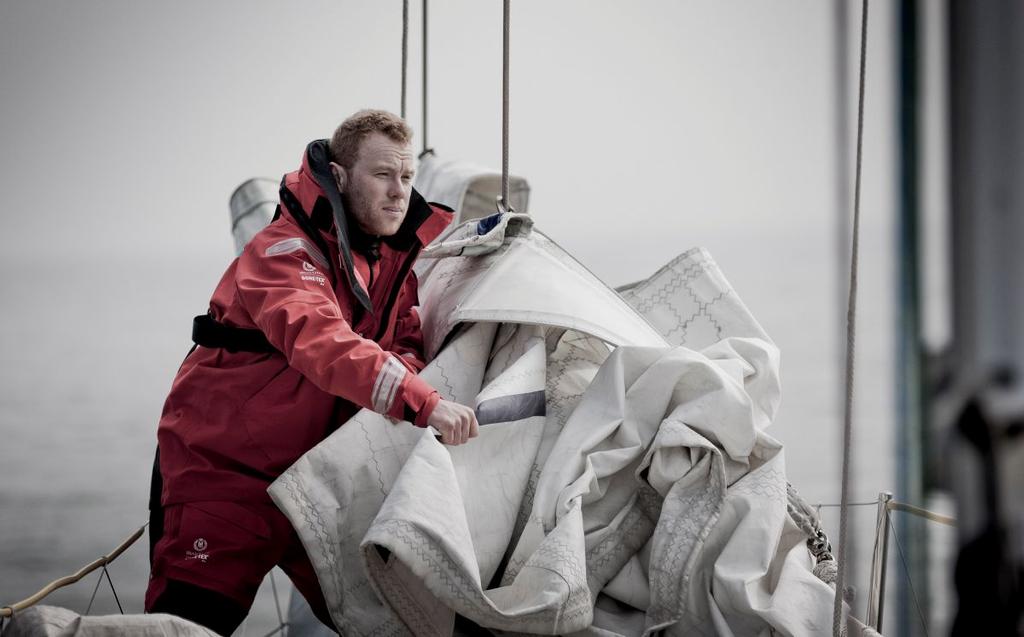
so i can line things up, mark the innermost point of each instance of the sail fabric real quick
(470, 189)
(252, 206)
(54, 621)
(518, 275)
(618, 487)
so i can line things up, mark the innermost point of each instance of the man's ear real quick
(340, 175)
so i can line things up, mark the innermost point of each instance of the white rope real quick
(838, 620)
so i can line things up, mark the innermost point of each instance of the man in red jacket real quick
(314, 320)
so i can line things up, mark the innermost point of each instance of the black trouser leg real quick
(220, 614)
(156, 512)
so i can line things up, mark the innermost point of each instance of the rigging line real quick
(506, 206)
(281, 629)
(426, 148)
(277, 602)
(906, 572)
(93, 598)
(838, 622)
(832, 505)
(405, 49)
(112, 589)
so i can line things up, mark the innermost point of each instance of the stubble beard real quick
(365, 214)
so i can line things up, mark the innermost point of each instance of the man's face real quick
(378, 185)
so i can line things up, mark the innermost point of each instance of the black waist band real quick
(208, 332)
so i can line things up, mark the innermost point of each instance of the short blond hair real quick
(345, 142)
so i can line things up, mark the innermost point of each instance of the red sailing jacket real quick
(341, 327)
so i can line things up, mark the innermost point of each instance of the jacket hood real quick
(318, 195)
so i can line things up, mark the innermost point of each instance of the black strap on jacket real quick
(209, 332)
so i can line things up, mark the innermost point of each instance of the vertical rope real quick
(838, 621)
(843, 197)
(426, 147)
(504, 111)
(405, 49)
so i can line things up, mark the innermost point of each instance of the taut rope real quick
(505, 205)
(405, 49)
(838, 621)
(426, 148)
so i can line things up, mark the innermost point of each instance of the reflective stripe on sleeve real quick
(385, 388)
(287, 246)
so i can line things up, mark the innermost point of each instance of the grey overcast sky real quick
(643, 126)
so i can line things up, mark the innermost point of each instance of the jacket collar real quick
(318, 193)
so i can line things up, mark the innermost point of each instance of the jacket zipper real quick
(395, 290)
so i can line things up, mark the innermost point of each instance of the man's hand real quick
(457, 423)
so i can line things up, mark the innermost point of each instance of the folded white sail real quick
(643, 495)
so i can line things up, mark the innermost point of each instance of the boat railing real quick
(885, 505)
(100, 564)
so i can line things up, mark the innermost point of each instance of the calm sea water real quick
(89, 349)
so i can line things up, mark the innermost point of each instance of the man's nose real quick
(395, 189)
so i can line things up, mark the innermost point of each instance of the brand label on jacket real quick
(199, 551)
(311, 274)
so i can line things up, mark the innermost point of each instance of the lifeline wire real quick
(838, 622)
(906, 573)
(104, 573)
(112, 589)
(405, 48)
(504, 112)
(99, 580)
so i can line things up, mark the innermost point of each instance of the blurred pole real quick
(910, 441)
(987, 437)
